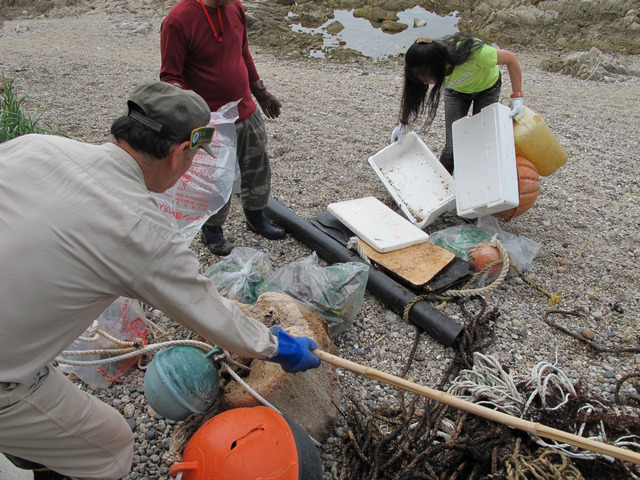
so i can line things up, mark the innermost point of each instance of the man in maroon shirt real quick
(204, 48)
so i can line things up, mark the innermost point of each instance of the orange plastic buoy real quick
(528, 189)
(248, 444)
(483, 255)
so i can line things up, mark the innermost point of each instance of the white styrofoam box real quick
(484, 153)
(377, 224)
(415, 178)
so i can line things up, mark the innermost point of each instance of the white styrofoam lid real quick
(377, 224)
(484, 155)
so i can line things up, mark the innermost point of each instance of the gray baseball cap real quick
(176, 114)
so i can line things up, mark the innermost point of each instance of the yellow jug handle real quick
(506, 101)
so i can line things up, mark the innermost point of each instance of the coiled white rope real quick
(547, 377)
(488, 384)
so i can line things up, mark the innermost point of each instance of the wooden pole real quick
(500, 417)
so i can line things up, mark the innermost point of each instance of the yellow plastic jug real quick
(536, 142)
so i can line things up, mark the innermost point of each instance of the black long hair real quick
(434, 60)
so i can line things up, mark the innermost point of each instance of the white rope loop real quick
(488, 384)
(130, 354)
(354, 244)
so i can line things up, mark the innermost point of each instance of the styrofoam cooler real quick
(415, 178)
(486, 176)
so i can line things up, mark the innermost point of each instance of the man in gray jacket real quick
(78, 229)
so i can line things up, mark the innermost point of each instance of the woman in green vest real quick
(463, 70)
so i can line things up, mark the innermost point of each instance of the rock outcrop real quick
(308, 398)
(568, 25)
(591, 65)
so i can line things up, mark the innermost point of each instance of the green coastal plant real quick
(14, 121)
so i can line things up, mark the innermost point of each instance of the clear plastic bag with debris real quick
(462, 239)
(238, 275)
(336, 291)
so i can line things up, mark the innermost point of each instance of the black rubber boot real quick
(49, 475)
(24, 464)
(258, 222)
(214, 239)
(40, 472)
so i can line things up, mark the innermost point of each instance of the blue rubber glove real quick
(294, 353)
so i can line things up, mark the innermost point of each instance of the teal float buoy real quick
(181, 381)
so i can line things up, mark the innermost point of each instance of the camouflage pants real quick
(255, 170)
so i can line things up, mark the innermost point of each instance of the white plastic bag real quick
(206, 187)
(123, 320)
(336, 291)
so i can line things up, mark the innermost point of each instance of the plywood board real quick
(378, 225)
(417, 264)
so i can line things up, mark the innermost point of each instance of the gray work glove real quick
(398, 133)
(268, 103)
(516, 106)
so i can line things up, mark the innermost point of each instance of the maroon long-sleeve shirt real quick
(220, 72)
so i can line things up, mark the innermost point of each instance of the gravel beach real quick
(77, 71)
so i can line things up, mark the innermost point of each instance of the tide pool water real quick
(358, 33)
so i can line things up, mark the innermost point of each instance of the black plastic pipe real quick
(391, 293)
